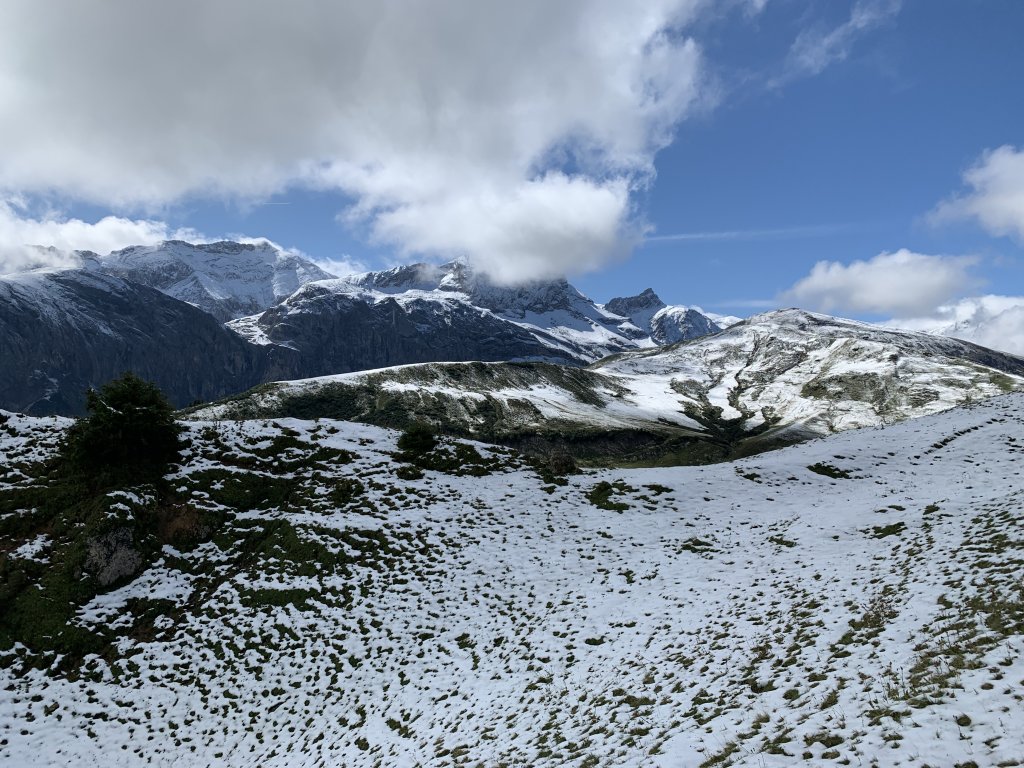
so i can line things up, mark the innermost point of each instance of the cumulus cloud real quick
(996, 196)
(992, 321)
(339, 266)
(815, 49)
(48, 241)
(509, 133)
(899, 283)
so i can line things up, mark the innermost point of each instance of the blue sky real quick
(846, 163)
(780, 134)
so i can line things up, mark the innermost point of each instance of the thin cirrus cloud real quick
(513, 134)
(900, 283)
(995, 195)
(817, 48)
(780, 233)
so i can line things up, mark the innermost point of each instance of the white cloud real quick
(339, 266)
(903, 282)
(48, 240)
(992, 321)
(815, 49)
(996, 196)
(511, 133)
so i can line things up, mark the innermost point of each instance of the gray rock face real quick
(334, 332)
(675, 324)
(112, 556)
(65, 331)
(647, 301)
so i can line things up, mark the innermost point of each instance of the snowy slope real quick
(853, 600)
(63, 331)
(777, 377)
(226, 279)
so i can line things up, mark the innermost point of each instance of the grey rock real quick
(112, 556)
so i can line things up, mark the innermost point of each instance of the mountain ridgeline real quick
(540, 367)
(777, 378)
(211, 320)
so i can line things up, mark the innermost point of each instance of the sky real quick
(859, 157)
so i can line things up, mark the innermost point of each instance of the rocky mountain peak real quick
(226, 278)
(458, 277)
(626, 306)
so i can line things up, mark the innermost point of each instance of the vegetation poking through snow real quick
(316, 596)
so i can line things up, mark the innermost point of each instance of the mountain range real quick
(774, 379)
(206, 321)
(538, 366)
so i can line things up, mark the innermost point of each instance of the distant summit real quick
(663, 324)
(226, 279)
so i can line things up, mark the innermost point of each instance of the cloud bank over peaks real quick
(899, 283)
(992, 321)
(48, 240)
(511, 134)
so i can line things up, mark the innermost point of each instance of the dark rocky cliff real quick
(335, 332)
(62, 332)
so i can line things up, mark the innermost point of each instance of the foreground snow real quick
(759, 613)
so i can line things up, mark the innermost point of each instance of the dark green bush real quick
(129, 434)
(417, 440)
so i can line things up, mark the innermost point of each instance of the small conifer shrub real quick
(129, 434)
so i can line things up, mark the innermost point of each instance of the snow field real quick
(856, 598)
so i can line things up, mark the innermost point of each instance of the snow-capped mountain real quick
(776, 378)
(308, 324)
(460, 315)
(62, 331)
(226, 279)
(307, 596)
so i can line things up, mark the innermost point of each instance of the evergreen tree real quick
(417, 440)
(129, 434)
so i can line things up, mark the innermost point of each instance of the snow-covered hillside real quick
(853, 600)
(777, 377)
(63, 331)
(226, 279)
